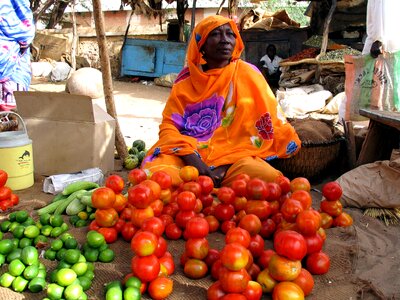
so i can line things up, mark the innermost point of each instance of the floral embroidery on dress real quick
(175, 150)
(291, 147)
(264, 126)
(272, 157)
(157, 152)
(200, 120)
(256, 141)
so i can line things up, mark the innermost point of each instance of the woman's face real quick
(218, 47)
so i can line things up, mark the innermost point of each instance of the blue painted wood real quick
(152, 58)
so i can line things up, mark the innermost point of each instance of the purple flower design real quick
(264, 126)
(200, 120)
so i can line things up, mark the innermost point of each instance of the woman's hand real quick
(218, 174)
(195, 161)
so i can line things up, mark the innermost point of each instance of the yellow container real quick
(16, 156)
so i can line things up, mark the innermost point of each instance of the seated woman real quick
(221, 116)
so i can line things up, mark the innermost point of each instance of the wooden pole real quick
(74, 36)
(107, 79)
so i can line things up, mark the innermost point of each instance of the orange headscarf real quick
(222, 114)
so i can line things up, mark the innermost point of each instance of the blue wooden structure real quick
(152, 58)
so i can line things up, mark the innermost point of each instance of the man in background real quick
(270, 66)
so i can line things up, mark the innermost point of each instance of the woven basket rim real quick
(324, 143)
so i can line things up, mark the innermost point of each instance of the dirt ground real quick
(365, 260)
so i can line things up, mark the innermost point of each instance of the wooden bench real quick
(383, 135)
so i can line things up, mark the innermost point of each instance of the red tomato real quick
(326, 220)
(274, 191)
(120, 202)
(226, 195)
(290, 244)
(198, 208)
(103, 197)
(263, 259)
(3, 178)
(274, 206)
(173, 232)
(318, 263)
(115, 182)
(287, 290)
(154, 225)
(234, 256)
(215, 291)
(304, 197)
(239, 186)
(197, 248)
(162, 178)
(253, 271)
(157, 206)
(240, 203)
(183, 216)
(238, 235)
(166, 196)
(154, 187)
(188, 173)
(233, 296)
(332, 191)
(251, 223)
(140, 196)
(308, 222)
(94, 226)
(283, 269)
(216, 268)
(110, 234)
(260, 208)
(5, 193)
(300, 183)
(322, 233)
(253, 291)
(266, 281)
(192, 186)
(343, 220)
(234, 281)
(160, 288)
(141, 214)
(213, 223)
(119, 225)
(5, 204)
(212, 256)
(14, 199)
(305, 281)
(268, 228)
(146, 268)
(106, 217)
(195, 268)
(332, 208)
(314, 243)
(206, 183)
(171, 209)
(128, 231)
(257, 189)
(161, 247)
(186, 200)
(243, 176)
(256, 246)
(168, 262)
(126, 214)
(224, 212)
(136, 176)
(284, 184)
(227, 225)
(206, 200)
(197, 227)
(166, 219)
(144, 243)
(290, 208)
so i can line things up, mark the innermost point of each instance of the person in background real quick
(270, 65)
(16, 34)
(221, 116)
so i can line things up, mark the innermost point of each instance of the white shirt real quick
(273, 65)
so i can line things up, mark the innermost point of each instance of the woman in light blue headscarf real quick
(16, 34)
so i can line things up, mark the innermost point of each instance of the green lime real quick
(63, 265)
(6, 246)
(65, 236)
(60, 254)
(113, 284)
(31, 272)
(55, 291)
(82, 258)
(18, 232)
(50, 254)
(114, 293)
(1, 235)
(5, 225)
(19, 284)
(14, 254)
(132, 293)
(21, 216)
(71, 243)
(95, 239)
(15, 241)
(37, 284)
(73, 219)
(133, 281)
(80, 268)
(41, 266)
(12, 216)
(6, 279)
(56, 231)
(38, 225)
(103, 247)
(89, 274)
(31, 231)
(13, 225)
(16, 267)
(45, 219)
(64, 227)
(85, 282)
(42, 274)
(81, 223)
(40, 241)
(106, 255)
(56, 244)
(2, 259)
(56, 220)
(46, 230)
(52, 276)
(29, 255)
(91, 255)
(72, 256)
(73, 292)
(29, 221)
(24, 242)
(90, 266)
(65, 277)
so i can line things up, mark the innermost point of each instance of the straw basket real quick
(313, 159)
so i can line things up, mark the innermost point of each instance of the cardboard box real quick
(69, 133)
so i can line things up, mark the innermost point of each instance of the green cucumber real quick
(79, 185)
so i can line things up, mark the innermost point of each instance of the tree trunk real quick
(74, 37)
(107, 79)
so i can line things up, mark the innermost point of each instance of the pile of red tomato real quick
(7, 198)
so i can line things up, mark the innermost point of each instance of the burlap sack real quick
(373, 185)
